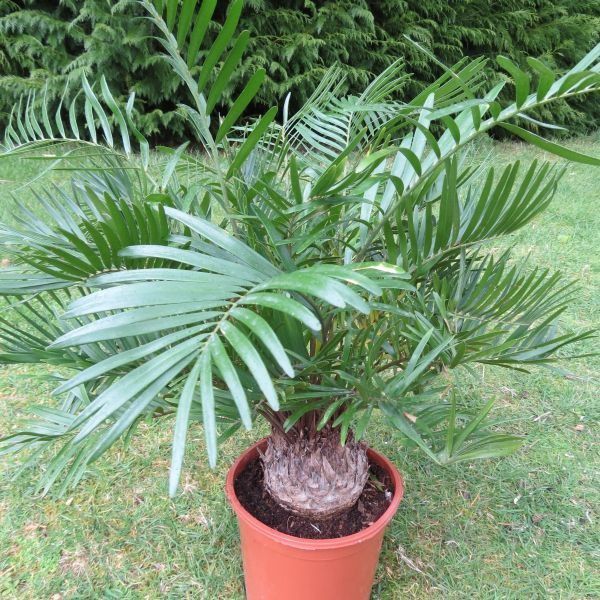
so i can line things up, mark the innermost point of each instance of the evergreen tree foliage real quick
(295, 40)
(46, 44)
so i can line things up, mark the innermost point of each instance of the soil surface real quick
(373, 502)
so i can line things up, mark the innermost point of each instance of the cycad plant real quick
(308, 269)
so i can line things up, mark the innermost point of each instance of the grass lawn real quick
(520, 527)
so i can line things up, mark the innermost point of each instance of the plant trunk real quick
(314, 475)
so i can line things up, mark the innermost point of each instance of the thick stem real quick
(314, 475)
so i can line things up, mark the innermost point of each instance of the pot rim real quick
(314, 544)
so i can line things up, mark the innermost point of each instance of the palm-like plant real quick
(307, 271)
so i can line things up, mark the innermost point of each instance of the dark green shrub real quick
(44, 47)
(295, 41)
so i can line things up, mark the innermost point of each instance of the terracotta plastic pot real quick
(278, 566)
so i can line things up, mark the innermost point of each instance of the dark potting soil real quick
(372, 503)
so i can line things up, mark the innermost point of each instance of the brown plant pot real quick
(278, 566)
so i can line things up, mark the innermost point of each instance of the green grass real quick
(520, 527)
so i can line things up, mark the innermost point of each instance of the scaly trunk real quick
(315, 476)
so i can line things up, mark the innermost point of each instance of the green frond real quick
(32, 128)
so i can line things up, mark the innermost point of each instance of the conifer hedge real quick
(46, 43)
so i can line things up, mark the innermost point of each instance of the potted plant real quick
(307, 270)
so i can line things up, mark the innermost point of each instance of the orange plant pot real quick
(278, 566)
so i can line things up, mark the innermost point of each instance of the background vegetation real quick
(523, 526)
(47, 43)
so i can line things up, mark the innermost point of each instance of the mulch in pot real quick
(372, 503)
